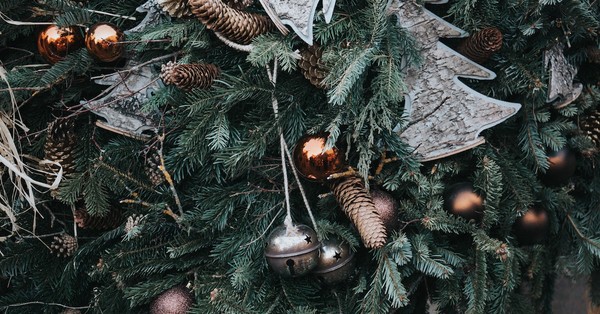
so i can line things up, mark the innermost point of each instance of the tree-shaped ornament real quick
(445, 116)
(561, 89)
(299, 14)
(121, 107)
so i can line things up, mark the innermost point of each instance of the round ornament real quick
(532, 227)
(460, 199)
(387, 207)
(103, 41)
(54, 43)
(292, 252)
(176, 300)
(562, 167)
(336, 262)
(313, 161)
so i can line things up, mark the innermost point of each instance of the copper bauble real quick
(54, 43)
(387, 207)
(103, 41)
(532, 227)
(292, 251)
(176, 300)
(336, 262)
(460, 199)
(562, 167)
(315, 163)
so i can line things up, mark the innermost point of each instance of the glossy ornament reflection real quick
(314, 162)
(294, 251)
(54, 43)
(103, 41)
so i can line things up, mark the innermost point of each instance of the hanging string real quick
(285, 152)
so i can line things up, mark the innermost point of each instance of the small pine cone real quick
(176, 8)
(311, 65)
(59, 147)
(593, 54)
(189, 76)
(590, 127)
(239, 4)
(358, 205)
(235, 25)
(480, 46)
(153, 171)
(85, 221)
(64, 245)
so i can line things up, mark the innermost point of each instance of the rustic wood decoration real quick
(561, 89)
(444, 116)
(154, 14)
(121, 105)
(298, 14)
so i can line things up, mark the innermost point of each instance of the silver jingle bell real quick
(294, 251)
(336, 262)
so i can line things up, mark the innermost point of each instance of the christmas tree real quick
(364, 156)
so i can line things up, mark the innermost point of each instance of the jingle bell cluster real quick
(294, 251)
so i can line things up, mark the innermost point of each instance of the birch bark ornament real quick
(121, 106)
(561, 89)
(445, 116)
(299, 14)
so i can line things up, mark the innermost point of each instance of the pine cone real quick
(593, 54)
(176, 8)
(311, 65)
(64, 245)
(358, 206)
(153, 171)
(85, 221)
(239, 4)
(59, 147)
(189, 76)
(480, 46)
(238, 26)
(590, 127)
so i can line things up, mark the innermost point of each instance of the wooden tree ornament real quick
(445, 116)
(298, 14)
(561, 89)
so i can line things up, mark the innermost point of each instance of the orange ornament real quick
(315, 163)
(54, 43)
(103, 41)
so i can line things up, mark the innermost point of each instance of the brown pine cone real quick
(85, 221)
(64, 245)
(480, 46)
(153, 171)
(189, 76)
(590, 127)
(60, 146)
(358, 205)
(312, 66)
(176, 8)
(238, 26)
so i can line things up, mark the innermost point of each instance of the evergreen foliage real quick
(208, 225)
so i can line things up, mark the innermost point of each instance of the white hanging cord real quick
(285, 152)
